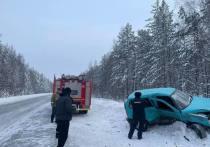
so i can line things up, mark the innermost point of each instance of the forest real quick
(16, 77)
(173, 50)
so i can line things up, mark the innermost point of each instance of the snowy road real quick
(11, 113)
(13, 116)
(103, 126)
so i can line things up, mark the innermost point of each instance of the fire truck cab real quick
(81, 90)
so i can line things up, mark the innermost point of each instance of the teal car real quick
(170, 103)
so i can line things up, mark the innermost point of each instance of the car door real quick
(152, 114)
(167, 110)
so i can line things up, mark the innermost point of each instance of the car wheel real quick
(199, 130)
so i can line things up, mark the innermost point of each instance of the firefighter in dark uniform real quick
(63, 116)
(138, 105)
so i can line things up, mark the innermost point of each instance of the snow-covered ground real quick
(9, 100)
(103, 126)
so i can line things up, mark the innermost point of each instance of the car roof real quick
(153, 92)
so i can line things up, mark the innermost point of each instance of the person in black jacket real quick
(138, 106)
(63, 116)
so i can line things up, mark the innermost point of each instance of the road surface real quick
(13, 117)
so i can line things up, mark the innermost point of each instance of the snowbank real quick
(9, 100)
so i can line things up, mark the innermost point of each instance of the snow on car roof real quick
(153, 92)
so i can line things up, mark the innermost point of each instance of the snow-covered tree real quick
(162, 30)
(143, 63)
(17, 78)
(123, 56)
(168, 53)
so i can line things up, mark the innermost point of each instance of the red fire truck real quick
(81, 90)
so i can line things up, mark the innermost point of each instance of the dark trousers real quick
(53, 114)
(62, 132)
(133, 126)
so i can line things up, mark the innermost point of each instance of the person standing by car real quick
(138, 106)
(63, 116)
(54, 98)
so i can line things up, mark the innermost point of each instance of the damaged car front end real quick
(171, 103)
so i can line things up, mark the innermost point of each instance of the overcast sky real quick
(65, 36)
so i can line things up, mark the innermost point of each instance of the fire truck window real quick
(74, 92)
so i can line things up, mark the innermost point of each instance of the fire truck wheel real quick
(83, 111)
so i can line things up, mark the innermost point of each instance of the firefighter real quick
(137, 106)
(54, 98)
(63, 116)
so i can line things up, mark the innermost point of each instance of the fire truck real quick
(81, 90)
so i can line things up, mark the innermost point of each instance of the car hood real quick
(198, 104)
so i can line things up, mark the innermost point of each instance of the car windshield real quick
(181, 99)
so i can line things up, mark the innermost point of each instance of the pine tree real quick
(162, 30)
(144, 45)
(191, 33)
(206, 22)
(123, 57)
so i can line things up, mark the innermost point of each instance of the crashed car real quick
(170, 103)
